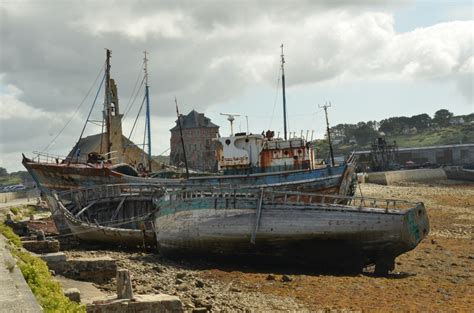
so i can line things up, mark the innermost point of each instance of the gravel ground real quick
(436, 276)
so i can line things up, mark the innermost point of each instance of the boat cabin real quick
(254, 153)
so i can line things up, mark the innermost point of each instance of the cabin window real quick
(227, 142)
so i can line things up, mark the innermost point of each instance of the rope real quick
(92, 107)
(134, 98)
(276, 98)
(74, 114)
(135, 123)
(133, 90)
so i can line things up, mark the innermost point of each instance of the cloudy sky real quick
(370, 59)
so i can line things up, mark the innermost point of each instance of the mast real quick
(283, 89)
(107, 104)
(147, 96)
(182, 140)
(325, 107)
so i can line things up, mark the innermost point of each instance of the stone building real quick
(198, 135)
(124, 150)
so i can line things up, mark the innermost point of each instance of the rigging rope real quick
(276, 98)
(74, 114)
(134, 87)
(135, 123)
(134, 98)
(92, 107)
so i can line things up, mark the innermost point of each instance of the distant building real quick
(456, 120)
(198, 135)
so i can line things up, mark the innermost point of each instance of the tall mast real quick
(148, 124)
(182, 140)
(283, 89)
(325, 107)
(107, 103)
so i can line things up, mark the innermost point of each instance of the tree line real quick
(366, 132)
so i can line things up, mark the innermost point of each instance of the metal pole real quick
(107, 105)
(325, 107)
(182, 140)
(283, 89)
(147, 94)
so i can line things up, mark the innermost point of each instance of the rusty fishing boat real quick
(350, 232)
(244, 159)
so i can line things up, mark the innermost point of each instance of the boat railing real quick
(87, 194)
(276, 197)
(44, 157)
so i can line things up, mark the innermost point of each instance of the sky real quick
(369, 59)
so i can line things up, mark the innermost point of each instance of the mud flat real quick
(436, 276)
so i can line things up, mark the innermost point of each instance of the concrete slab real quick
(89, 292)
(15, 294)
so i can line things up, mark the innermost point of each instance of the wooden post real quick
(124, 285)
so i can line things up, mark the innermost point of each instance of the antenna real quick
(283, 90)
(325, 107)
(147, 95)
(231, 119)
(182, 140)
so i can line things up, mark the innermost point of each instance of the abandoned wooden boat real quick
(290, 226)
(121, 215)
(460, 172)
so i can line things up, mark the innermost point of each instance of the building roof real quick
(92, 144)
(194, 120)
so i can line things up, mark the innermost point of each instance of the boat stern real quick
(416, 225)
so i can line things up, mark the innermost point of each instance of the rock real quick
(433, 241)
(179, 281)
(270, 277)
(199, 283)
(235, 289)
(181, 275)
(73, 294)
(286, 278)
(199, 310)
(182, 288)
(157, 268)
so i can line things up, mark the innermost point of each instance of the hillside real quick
(431, 137)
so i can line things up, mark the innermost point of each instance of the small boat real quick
(321, 229)
(460, 172)
(121, 215)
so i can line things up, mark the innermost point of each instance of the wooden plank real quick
(86, 208)
(257, 217)
(118, 208)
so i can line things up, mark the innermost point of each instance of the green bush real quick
(15, 210)
(47, 291)
(10, 235)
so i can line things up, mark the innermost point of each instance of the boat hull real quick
(459, 173)
(322, 234)
(333, 180)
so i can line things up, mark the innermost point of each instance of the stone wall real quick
(200, 148)
(5, 197)
(391, 177)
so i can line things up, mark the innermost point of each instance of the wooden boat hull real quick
(334, 180)
(109, 214)
(459, 173)
(311, 233)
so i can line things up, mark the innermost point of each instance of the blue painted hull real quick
(336, 179)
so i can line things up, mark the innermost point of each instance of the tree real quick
(3, 172)
(442, 117)
(364, 134)
(420, 121)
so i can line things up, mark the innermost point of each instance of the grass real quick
(10, 180)
(444, 136)
(47, 291)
